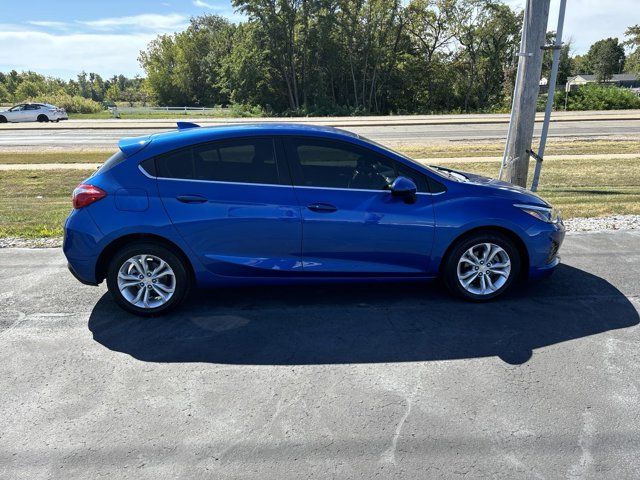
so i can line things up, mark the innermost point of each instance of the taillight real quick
(85, 194)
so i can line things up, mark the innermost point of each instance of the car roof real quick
(174, 139)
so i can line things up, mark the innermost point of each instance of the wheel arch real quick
(102, 265)
(510, 234)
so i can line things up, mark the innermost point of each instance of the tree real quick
(26, 90)
(605, 58)
(632, 63)
(5, 96)
(580, 65)
(113, 93)
(184, 69)
(431, 25)
(565, 65)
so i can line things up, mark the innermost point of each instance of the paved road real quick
(393, 134)
(325, 382)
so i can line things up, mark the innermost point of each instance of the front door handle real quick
(191, 198)
(321, 207)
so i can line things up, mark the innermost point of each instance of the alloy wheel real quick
(484, 269)
(146, 281)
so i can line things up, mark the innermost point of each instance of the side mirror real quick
(405, 188)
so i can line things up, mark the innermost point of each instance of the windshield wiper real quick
(451, 173)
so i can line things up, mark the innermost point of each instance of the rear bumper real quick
(80, 246)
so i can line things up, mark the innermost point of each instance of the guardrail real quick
(186, 110)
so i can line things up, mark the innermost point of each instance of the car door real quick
(233, 203)
(31, 112)
(16, 113)
(352, 225)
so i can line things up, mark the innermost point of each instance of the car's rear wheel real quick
(43, 118)
(148, 279)
(3, 119)
(482, 266)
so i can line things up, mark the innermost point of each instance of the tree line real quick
(360, 56)
(341, 57)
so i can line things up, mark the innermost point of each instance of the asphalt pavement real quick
(413, 130)
(370, 381)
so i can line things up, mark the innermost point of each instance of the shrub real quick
(598, 97)
(245, 110)
(72, 104)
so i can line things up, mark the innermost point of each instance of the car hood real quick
(501, 188)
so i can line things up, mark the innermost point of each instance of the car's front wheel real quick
(147, 279)
(482, 266)
(3, 119)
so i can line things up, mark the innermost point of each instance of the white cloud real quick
(201, 4)
(66, 55)
(49, 24)
(147, 21)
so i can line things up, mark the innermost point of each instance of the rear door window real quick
(250, 160)
(247, 160)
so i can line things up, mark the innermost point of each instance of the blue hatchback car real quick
(284, 203)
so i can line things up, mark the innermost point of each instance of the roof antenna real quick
(187, 125)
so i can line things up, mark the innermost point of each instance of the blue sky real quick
(63, 37)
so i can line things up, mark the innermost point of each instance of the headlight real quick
(546, 214)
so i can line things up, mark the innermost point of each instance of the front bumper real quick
(79, 278)
(544, 245)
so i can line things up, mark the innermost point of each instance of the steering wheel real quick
(368, 174)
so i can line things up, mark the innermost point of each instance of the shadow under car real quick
(365, 323)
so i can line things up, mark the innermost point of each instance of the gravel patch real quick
(17, 242)
(599, 224)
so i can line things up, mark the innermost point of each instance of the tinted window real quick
(249, 160)
(418, 178)
(177, 164)
(149, 166)
(323, 163)
(112, 161)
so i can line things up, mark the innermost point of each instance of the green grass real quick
(176, 114)
(35, 203)
(54, 157)
(581, 188)
(496, 149)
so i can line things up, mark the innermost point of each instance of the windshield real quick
(409, 159)
(441, 171)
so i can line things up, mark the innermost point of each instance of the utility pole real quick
(515, 163)
(557, 46)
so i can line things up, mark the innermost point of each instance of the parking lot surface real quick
(368, 381)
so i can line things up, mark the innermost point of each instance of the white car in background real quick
(33, 112)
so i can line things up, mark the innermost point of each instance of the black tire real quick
(180, 270)
(43, 118)
(450, 267)
(3, 119)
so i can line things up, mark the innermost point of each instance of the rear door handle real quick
(191, 198)
(321, 207)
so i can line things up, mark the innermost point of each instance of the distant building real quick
(627, 80)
